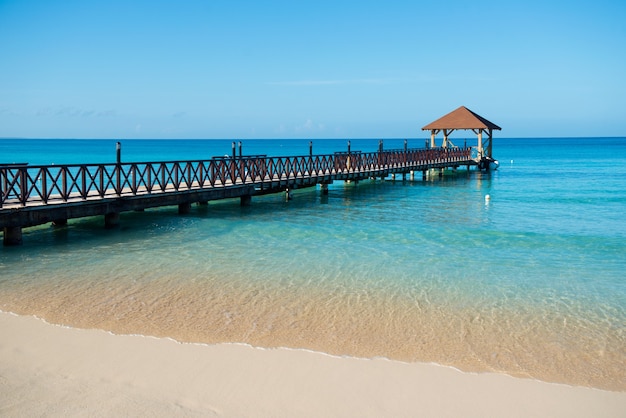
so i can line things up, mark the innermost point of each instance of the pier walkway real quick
(35, 195)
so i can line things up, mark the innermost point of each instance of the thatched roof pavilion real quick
(463, 119)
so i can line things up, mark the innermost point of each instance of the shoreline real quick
(360, 324)
(57, 370)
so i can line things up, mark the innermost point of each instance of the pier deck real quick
(34, 195)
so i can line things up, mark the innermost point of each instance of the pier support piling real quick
(111, 220)
(184, 208)
(59, 222)
(324, 189)
(12, 235)
(246, 200)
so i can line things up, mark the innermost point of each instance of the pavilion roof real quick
(461, 118)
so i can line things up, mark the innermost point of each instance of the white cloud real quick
(309, 126)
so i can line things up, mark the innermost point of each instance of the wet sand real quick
(523, 343)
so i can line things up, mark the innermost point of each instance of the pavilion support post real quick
(480, 145)
(432, 138)
(12, 235)
(489, 146)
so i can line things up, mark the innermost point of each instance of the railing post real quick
(44, 184)
(118, 169)
(118, 151)
(406, 145)
(348, 162)
(3, 179)
(242, 166)
(23, 186)
(232, 165)
(264, 168)
(148, 171)
(242, 171)
(201, 174)
(102, 189)
(309, 168)
(83, 181)
(163, 168)
(64, 183)
(176, 168)
(211, 172)
(134, 178)
(118, 179)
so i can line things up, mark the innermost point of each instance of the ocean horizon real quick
(528, 282)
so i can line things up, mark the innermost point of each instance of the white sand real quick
(47, 370)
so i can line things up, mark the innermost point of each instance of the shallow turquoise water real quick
(531, 276)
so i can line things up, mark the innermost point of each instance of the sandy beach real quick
(49, 370)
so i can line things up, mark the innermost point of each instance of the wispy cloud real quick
(417, 78)
(105, 113)
(332, 82)
(71, 111)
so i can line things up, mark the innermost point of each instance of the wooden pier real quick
(35, 195)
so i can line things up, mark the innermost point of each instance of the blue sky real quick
(299, 69)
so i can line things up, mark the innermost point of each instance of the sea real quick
(521, 270)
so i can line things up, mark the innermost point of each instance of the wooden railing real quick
(25, 185)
